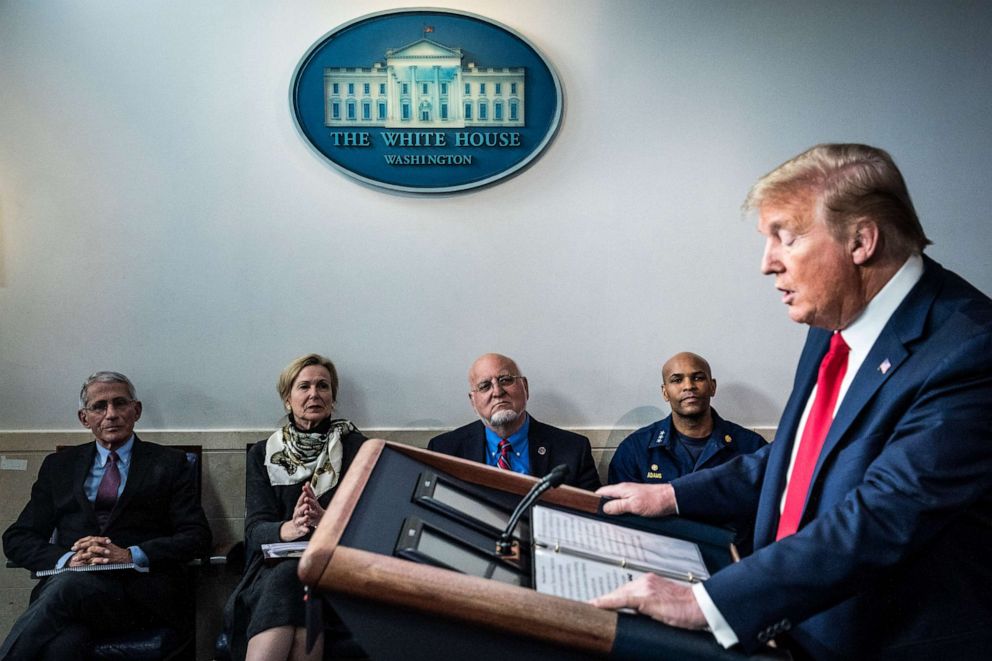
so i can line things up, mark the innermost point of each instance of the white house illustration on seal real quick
(424, 85)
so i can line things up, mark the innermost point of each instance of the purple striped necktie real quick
(106, 493)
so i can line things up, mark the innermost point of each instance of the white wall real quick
(160, 215)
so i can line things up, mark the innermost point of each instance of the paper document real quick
(283, 550)
(577, 578)
(110, 566)
(580, 558)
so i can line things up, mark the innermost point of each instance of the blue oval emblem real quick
(426, 101)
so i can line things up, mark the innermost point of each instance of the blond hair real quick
(846, 183)
(286, 378)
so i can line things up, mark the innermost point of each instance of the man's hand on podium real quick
(641, 499)
(658, 598)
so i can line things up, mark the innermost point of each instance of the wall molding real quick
(43, 440)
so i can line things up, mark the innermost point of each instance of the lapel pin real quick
(884, 367)
(542, 450)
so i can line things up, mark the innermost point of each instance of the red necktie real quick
(503, 460)
(821, 414)
(106, 493)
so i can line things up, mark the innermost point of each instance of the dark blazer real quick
(549, 446)
(267, 507)
(158, 511)
(892, 556)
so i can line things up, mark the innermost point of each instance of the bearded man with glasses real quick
(506, 436)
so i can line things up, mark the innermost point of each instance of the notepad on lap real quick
(110, 566)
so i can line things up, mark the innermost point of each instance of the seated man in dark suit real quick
(115, 500)
(507, 436)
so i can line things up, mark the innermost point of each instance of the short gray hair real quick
(105, 377)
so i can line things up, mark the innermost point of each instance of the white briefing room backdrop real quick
(160, 215)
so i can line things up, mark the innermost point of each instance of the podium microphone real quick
(504, 545)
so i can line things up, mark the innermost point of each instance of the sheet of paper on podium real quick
(576, 557)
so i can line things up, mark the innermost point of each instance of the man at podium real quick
(507, 436)
(874, 501)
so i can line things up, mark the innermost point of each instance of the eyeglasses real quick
(100, 407)
(505, 381)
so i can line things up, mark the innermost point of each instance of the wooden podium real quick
(398, 609)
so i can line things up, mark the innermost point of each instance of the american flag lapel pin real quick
(884, 367)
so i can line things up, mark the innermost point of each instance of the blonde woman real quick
(291, 477)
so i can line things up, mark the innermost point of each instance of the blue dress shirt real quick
(519, 454)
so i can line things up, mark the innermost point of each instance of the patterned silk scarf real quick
(293, 456)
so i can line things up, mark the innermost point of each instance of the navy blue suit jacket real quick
(892, 558)
(549, 446)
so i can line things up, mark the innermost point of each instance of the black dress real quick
(271, 595)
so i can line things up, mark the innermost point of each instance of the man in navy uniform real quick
(508, 437)
(116, 499)
(693, 437)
